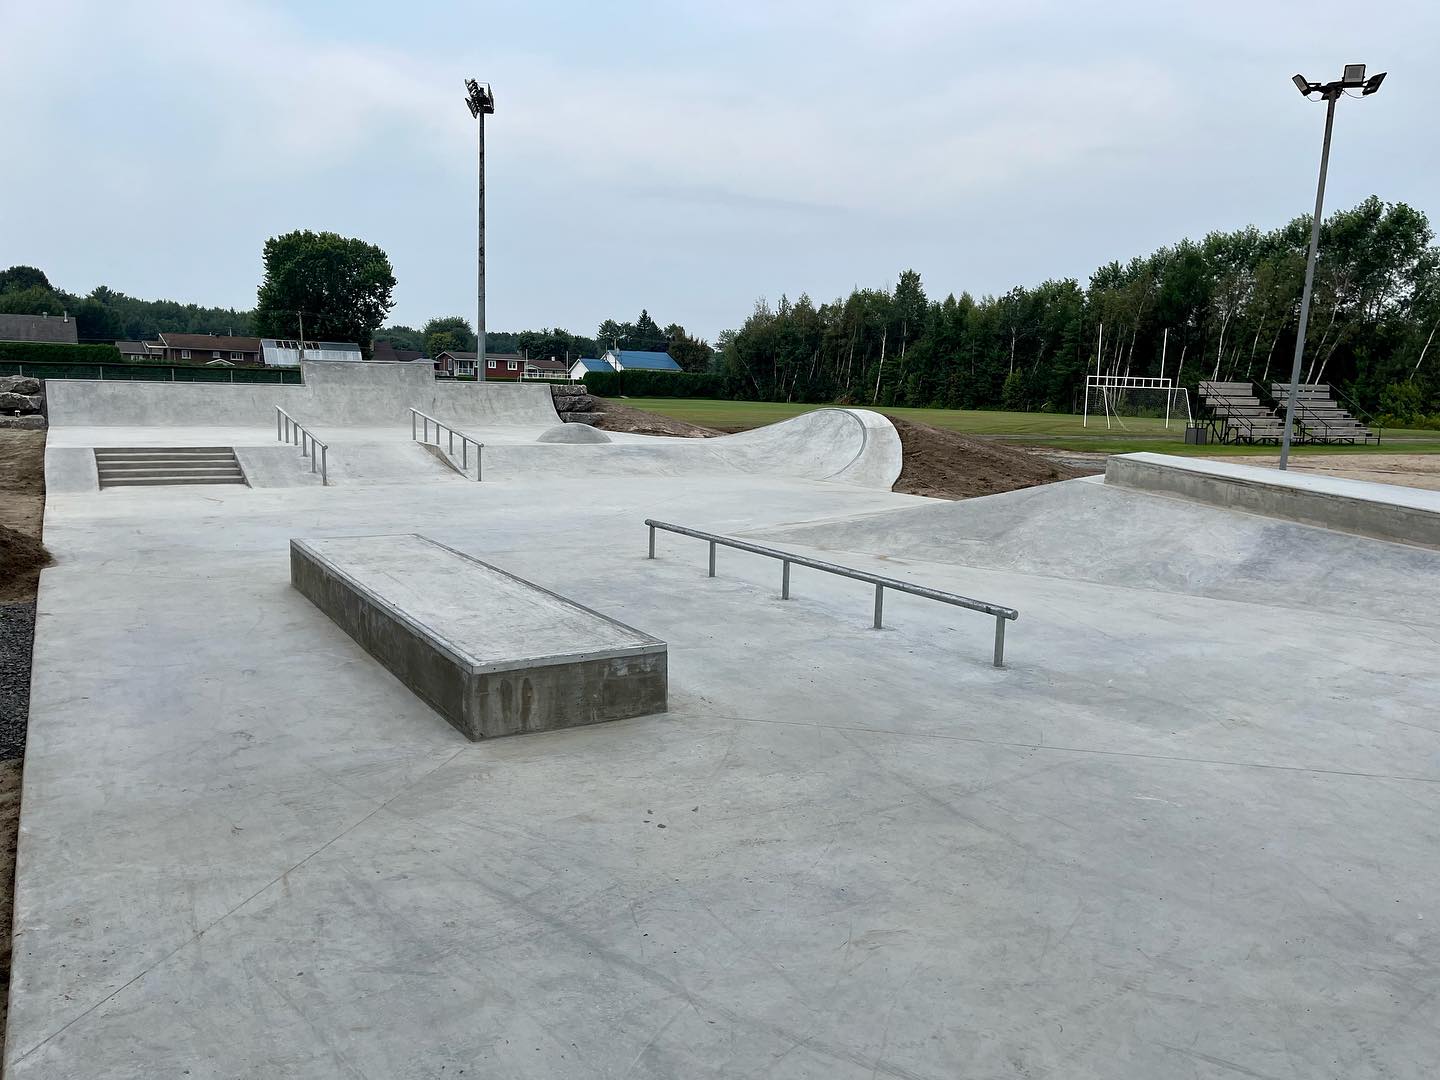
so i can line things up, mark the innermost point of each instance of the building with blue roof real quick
(580, 368)
(624, 360)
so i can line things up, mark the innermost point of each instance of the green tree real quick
(402, 337)
(342, 286)
(451, 333)
(19, 278)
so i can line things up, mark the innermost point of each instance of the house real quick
(202, 348)
(284, 352)
(59, 329)
(584, 366)
(634, 360)
(139, 351)
(501, 367)
(545, 369)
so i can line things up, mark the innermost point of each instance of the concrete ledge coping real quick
(1381, 511)
(492, 653)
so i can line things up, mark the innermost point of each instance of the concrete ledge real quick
(492, 653)
(1382, 511)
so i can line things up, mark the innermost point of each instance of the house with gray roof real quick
(58, 329)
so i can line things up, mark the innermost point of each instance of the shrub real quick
(1402, 403)
(641, 383)
(54, 352)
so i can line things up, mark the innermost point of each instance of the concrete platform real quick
(1382, 511)
(1189, 831)
(492, 653)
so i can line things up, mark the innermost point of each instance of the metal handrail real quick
(297, 433)
(1000, 612)
(465, 442)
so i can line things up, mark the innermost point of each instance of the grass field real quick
(1062, 431)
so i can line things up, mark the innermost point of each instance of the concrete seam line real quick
(258, 892)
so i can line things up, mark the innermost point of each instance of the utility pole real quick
(481, 103)
(1353, 78)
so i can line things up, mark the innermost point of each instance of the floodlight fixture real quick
(1330, 93)
(478, 98)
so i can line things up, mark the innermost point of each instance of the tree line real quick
(1225, 307)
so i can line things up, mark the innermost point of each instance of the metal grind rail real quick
(1000, 613)
(417, 418)
(290, 430)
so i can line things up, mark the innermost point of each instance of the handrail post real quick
(464, 455)
(277, 423)
(712, 558)
(412, 425)
(999, 641)
(784, 574)
(652, 543)
(479, 461)
(452, 439)
(324, 474)
(879, 604)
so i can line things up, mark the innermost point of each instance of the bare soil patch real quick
(947, 465)
(22, 511)
(612, 416)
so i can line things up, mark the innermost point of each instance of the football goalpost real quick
(1127, 396)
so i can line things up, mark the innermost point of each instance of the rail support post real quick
(412, 424)
(479, 461)
(324, 461)
(712, 558)
(784, 578)
(999, 641)
(652, 543)
(277, 425)
(464, 455)
(879, 604)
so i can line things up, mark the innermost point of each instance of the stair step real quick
(168, 481)
(156, 466)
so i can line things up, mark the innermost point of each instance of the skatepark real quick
(1187, 828)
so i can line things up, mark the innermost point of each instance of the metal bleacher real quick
(1235, 414)
(1320, 418)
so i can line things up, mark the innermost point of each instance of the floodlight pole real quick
(480, 275)
(1331, 97)
(480, 101)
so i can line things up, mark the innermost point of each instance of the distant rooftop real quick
(56, 328)
(646, 361)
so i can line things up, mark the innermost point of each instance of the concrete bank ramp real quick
(850, 446)
(335, 394)
(1085, 530)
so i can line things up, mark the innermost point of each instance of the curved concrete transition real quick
(573, 433)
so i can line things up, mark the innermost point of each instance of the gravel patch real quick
(17, 636)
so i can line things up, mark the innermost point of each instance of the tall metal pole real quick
(480, 289)
(1309, 283)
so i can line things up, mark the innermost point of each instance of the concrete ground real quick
(1190, 830)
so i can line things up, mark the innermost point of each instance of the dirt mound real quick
(612, 416)
(19, 553)
(947, 465)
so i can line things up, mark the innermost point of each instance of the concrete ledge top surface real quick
(487, 619)
(1389, 494)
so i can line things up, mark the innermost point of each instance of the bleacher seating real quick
(1236, 414)
(1321, 417)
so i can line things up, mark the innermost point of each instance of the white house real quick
(282, 352)
(580, 368)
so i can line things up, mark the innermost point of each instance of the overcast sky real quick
(684, 156)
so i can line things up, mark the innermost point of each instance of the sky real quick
(685, 157)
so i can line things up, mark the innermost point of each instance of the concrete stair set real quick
(153, 466)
